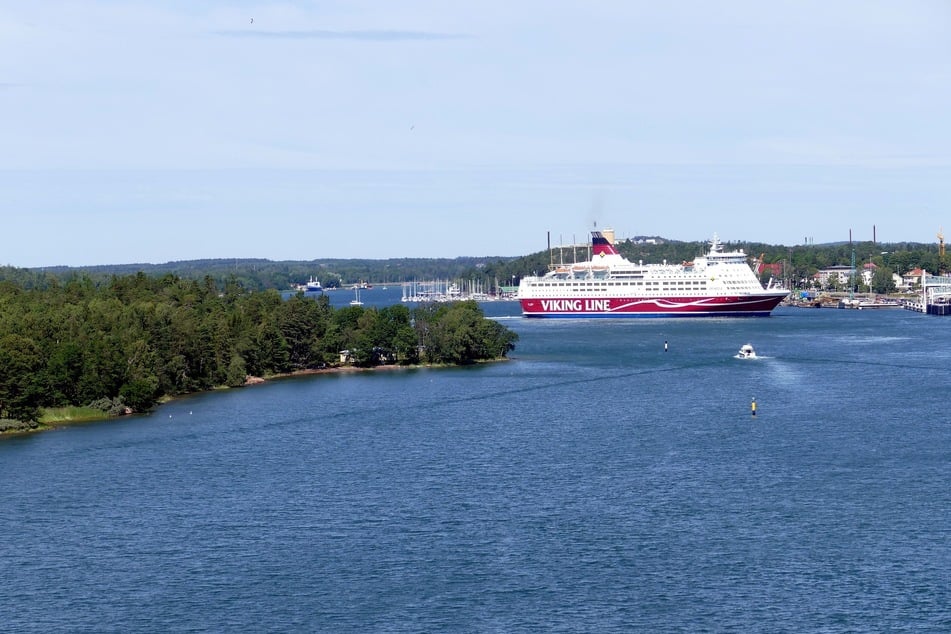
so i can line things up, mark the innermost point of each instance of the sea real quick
(610, 477)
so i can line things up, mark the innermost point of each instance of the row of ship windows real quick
(587, 284)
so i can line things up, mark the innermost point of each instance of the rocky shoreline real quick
(341, 369)
(10, 427)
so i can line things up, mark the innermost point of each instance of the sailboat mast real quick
(852, 278)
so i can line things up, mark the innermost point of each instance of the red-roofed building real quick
(911, 279)
(776, 269)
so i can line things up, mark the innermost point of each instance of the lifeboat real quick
(580, 270)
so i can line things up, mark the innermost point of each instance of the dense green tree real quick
(458, 333)
(269, 351)
(882, 281)
(20, 388)
(139, 394)
(363, 343)
(237, 372)
(302, 323)
(393, 336)
(64, 369)
(494, 340)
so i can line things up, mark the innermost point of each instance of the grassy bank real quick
(73, 414)
(53, 417)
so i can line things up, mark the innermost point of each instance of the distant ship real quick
(718, 284)
(313, 286)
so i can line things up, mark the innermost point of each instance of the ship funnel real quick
(602, 245)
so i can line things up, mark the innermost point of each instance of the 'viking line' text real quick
(575, 305)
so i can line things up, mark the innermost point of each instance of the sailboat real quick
(356, 299)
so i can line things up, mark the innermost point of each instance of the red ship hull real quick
(720, 306)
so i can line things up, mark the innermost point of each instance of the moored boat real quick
(879, 303)
(719, 283)
(872, 302)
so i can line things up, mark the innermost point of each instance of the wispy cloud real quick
(365, 36)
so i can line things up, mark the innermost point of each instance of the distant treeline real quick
(260, 274)
(799, 263)
(134, 339)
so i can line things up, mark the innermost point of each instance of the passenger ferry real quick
(720, 283)
(313, 286)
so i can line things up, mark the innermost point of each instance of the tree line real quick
(131, 340)
(800, 263)
(261, 274)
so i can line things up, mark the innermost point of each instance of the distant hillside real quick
(260, 274)
(799, 262)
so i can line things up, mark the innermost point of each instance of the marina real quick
(447, 291)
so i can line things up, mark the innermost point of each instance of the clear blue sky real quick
(157, 131)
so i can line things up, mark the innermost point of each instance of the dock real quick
(935, 296)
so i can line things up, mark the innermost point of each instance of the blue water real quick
(592, 483)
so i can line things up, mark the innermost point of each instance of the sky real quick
(149, 132)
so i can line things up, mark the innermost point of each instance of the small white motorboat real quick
(746, 352)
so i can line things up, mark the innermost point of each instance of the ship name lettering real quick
(596, 304)
(562, 305)
(576, 305)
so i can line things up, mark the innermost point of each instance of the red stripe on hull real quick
(651, 307)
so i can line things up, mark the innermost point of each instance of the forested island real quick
(122, 345)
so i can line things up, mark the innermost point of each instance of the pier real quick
(935, 296)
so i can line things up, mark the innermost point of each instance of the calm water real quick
(593, 483)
